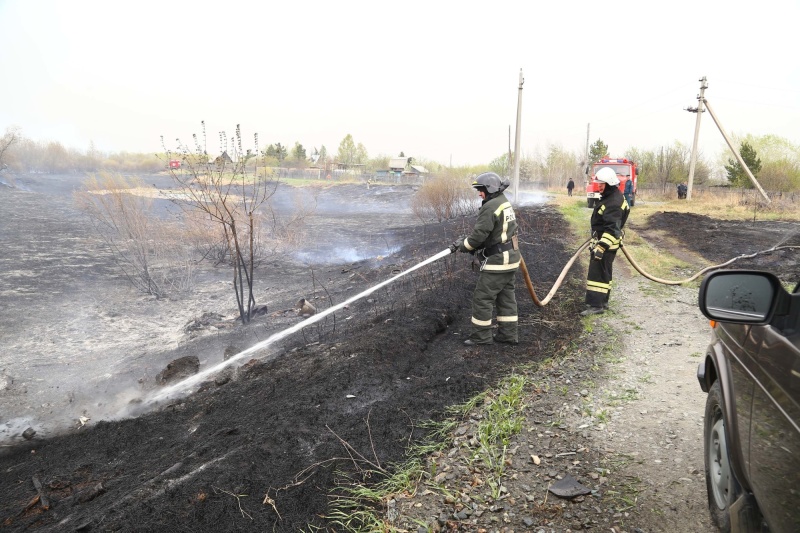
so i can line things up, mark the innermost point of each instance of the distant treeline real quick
(26, 155)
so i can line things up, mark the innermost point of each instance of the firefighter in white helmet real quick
(608, 218)
(494, 242)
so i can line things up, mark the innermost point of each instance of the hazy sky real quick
(435, 79)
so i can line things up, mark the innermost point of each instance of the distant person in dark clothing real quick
(628, 193)
(682, 191)
(570, 186)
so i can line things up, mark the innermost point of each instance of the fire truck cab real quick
(174, 164)
(626, 171)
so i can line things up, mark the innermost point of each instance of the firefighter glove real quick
(598, 251)
(454, 247)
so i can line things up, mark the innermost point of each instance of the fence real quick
(726, 194)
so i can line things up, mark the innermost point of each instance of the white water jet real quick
(172, 390)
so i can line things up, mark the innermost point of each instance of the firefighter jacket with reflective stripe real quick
(496, 224)
(608, 218)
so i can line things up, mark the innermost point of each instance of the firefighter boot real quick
(593, 311)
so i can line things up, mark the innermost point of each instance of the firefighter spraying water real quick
(494, 243)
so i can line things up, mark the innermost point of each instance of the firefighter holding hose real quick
(608, 218)
(494, 242)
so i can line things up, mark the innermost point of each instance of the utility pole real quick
(517, 139)
(586, 155)
(510, 166)
(736, 153)
(699, 110)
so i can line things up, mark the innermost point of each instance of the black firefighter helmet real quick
(491, 182)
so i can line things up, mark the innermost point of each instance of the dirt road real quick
(653, 406)
(622, 414)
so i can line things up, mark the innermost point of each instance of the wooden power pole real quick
(699, 111)
(736, 153)
(517, 139)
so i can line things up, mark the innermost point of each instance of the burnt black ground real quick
(207, 462)
(719, 240)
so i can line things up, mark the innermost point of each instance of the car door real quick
(739, 390)
(775, 434)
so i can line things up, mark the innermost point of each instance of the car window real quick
(789, 323)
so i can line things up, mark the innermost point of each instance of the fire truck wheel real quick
(590, 203)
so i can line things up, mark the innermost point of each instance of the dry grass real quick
(149, 251)
(443, 198)
(655, 259)
(724, 204)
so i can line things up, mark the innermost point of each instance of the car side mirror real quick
(740, 296)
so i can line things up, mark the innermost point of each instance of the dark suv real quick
(751, 373)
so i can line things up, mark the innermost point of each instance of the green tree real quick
(527, 169)
(298, 152)
(347, 151)
(500, 165)
(780, 161)
(361, 154)
(736, 173)
(597, 151)
(560, 165)
(280, 152)
(380, 162)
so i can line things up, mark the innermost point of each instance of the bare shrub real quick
(146, 249)
(443, 198)
(228, 194)
(7, 141)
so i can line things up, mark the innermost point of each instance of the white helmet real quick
(607, 175)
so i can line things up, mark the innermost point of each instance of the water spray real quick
(181, 386)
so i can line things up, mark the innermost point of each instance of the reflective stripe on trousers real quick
(494, 289)
(598, 279)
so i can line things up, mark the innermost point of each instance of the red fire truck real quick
(174, 164)
(626, 170)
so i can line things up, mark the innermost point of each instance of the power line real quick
(761, 86)
(634, 106)
(758, 103)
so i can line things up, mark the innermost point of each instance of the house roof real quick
(224, 157)
(398, 162)
(420, 169)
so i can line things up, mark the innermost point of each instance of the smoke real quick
(527, 198)
(14, 184)
(182, 387)
(339, 255)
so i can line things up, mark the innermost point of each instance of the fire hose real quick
(635, 265)
(558, 282)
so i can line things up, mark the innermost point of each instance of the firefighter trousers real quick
(494, 289)
(598, 280)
